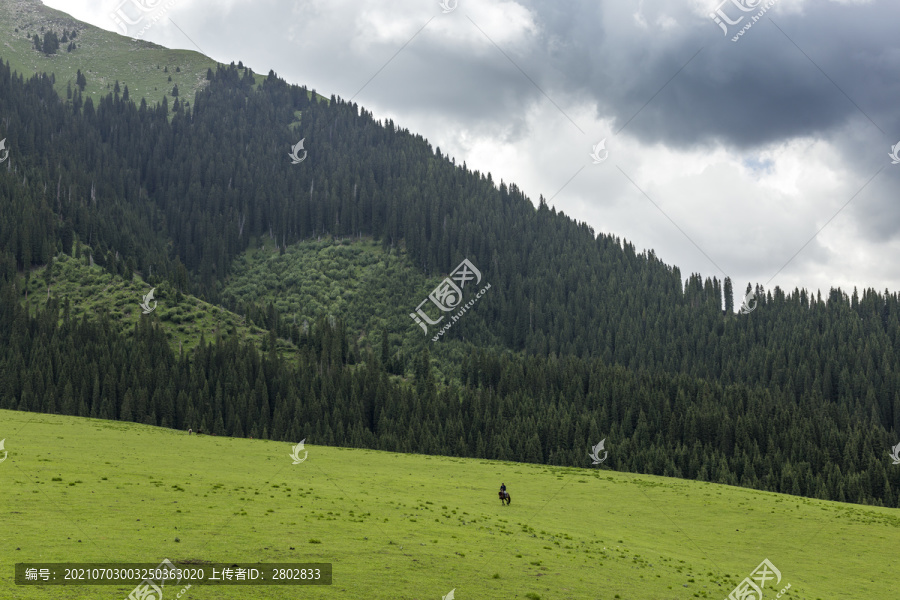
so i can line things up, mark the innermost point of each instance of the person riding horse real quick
(504, 495)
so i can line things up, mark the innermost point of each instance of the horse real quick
(504, 497)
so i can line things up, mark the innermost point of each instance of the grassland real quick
(103, 56)
(149, 70)
(411, 526)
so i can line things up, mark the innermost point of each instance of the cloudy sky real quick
(765, 159)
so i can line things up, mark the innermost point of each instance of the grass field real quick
(411, 526)
(150, 71)
(102, 56)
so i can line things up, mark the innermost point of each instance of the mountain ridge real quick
(180, 194)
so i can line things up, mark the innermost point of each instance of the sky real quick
(763, 156)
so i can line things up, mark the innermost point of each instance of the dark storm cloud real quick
(755, 91)
(465, 80)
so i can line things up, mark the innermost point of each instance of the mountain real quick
(578, 337)
(151, 71)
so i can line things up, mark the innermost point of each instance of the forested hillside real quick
(525, 409)
(581, 337)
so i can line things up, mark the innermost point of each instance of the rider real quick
(503, 488)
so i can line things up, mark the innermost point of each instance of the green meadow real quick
(150, 71)
(407, 526)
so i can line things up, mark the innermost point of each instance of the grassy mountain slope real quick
(411, 526)
(102, 56)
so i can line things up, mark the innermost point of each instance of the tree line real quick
(528, 409)
(177, 192)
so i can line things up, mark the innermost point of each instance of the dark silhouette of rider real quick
(503, 488)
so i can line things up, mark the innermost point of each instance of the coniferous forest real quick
(581, 337)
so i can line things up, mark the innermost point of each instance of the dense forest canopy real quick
(581, 336)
